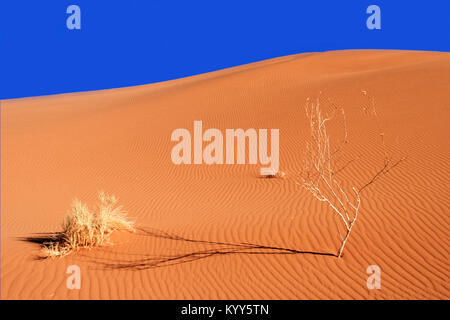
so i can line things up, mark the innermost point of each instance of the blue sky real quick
(124, 43)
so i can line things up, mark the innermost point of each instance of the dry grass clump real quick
(85, 228)
(279, 174)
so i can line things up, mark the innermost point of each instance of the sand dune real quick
(206, 229)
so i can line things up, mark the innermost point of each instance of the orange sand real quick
(59, 147)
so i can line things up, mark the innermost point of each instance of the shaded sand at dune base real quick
(221, 231)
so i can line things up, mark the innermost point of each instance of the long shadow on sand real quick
(158, 261)
(218, 248)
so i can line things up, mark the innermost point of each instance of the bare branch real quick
(319, 168)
